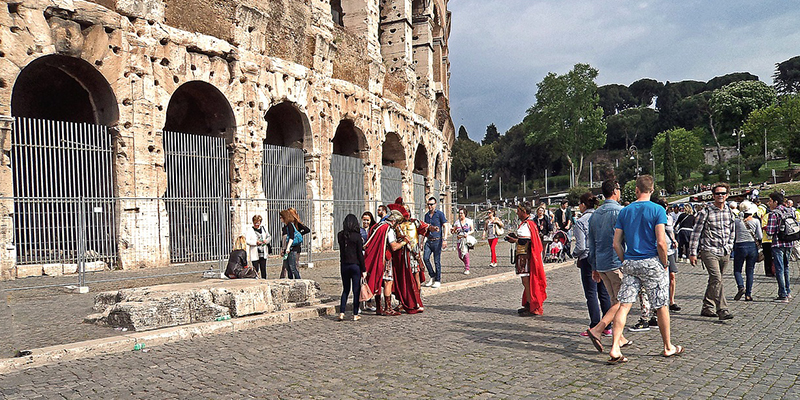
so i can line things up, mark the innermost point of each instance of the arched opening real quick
(62, 163)
(347, 171)
(199, 126)
(419, 175)
(437, 178)
(287, 126)
(337, 14)
(283, 169)
(393, 158)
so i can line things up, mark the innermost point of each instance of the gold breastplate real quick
(409, 230)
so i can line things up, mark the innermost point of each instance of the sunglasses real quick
(431, 204)
(720, 193)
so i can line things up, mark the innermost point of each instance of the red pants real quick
(493, 246)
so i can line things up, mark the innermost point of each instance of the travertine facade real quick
(380, 66)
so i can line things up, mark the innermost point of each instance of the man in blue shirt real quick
(640, 241)
(434, 244)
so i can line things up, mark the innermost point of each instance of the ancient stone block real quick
(24, 271)
(147, 9)
(67, 36)
(53, 269)
(70, 268)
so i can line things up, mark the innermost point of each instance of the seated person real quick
(238, 266)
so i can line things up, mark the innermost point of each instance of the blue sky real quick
(500, 49)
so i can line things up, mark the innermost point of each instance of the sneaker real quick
(674, 307)
(607, 332)
(640, 326)
(428, 283)
(341, 317)
(653, 321)
(356, 317)
(466, 272)
(436, 284)
(724, 315)
(781, 300)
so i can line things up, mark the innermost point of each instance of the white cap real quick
(748, 208)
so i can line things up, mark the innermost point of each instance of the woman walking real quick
(685, 224)
(463, 227)
(351, 258)
(491, 233)
(293, 231)
(258, 239)
(597, 299)
(745, 249)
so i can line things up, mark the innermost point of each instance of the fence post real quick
(220, 237)
(81, 259)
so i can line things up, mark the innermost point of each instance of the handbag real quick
(471, 241)
(498, 230)
(366, 292)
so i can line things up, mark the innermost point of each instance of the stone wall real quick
(256, 55)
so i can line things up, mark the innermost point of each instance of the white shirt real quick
(523, 230)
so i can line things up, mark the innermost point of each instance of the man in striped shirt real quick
(780, 249)
(712, 239)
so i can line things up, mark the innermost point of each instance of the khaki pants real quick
(714, 299)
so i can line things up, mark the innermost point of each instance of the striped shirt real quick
(773, 225)
(713, 231)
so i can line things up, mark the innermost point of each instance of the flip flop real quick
(617, 360)
(678, 351)
(628, 343)
(595, 341)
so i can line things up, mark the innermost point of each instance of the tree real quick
(732, 104)
(724, 80)
(780, 123)
(615, 98)
(491, 135)
(644, 90)
(464, 160)
(686, 144)
(567, 115)
(787, 76)
(670, 167)
(632, 126)
(462, 133)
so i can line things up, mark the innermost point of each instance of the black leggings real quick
(260, 265)
(351, 275)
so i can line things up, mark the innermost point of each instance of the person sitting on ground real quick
(238, 267)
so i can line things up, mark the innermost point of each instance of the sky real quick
(500, 49)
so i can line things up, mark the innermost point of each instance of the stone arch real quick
(63, 88)
(349, 140)
(287, 126)
(436, 165)
(393, 153)
(199, 108)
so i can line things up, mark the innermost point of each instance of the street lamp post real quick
(634, 153)
(653, 159)
(486, 177)
(739, 135)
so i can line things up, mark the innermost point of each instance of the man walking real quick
(712, 239)
(605, 262)
(640, 242)
(782, 244)
(434, 243)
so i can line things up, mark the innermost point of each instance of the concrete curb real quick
(118, 344)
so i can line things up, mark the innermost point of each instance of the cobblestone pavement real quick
(467, 344)
(49, 316)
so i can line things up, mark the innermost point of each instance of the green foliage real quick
(787, 76)
(732, 104)
(615, 98)
(567, 115)
(754, 164)
(644, 90)
(464, 157)
(629, 191)
(491, 135)
(574, 194)
(670, 166)
(632, 126)
(462, 133)
(706, 170)
(781, 122)
(686, 146)
(724, 80)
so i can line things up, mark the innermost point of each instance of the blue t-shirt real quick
(638, 222)
(437, 219)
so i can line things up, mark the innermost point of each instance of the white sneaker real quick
(436, 284)
(428, 283)
(466, 272)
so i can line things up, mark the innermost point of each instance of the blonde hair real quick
(257, 218)
(240, 243)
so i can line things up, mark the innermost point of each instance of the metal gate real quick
(198, 188)
(283, 177)
(437, 190)
(391, 184)
(63, 188)
(347, 174)
(419, 195)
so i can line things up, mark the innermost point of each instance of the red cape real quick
(405, 286)
(538, 280)
(375, 256)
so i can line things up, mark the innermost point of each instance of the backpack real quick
(298, 237)
(789, 229)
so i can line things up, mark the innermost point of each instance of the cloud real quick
(500, 50)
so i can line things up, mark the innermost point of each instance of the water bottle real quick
(138, 346)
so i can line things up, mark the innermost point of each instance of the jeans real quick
(290, 264)
(597, 299)
(463, 253)
(351, 278)
(780, 259)
(744, 252)
(434, 247)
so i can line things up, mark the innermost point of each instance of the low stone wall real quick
(162, 306)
